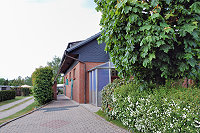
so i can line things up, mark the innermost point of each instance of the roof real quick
(26, 86)
(60, 85)
(68, 57)
(72, 44)
(4, 86)
(107, 65)
(81, 43)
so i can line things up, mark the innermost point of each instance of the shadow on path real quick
(58, 108)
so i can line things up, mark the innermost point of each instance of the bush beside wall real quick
(7, 95)
(160, 109)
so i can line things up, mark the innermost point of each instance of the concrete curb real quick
(25, 114)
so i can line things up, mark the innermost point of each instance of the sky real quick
(32, 32)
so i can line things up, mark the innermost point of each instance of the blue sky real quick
(33, 31)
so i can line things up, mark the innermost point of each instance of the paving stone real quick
(61, 116)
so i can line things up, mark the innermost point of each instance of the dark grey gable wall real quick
(92, 52)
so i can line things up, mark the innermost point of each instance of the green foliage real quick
(160, 109)
(7, 95)
(25, 91)
(54, 64)
(60, 91)
(3, 81)
(107, 102)
(28, 81)
(42, 84)
(31, 90)
(20, 81)
(152, 40)
(20, 91)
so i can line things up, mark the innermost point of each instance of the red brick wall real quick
(79, 81)
(76, 84)
(187, 82)
(54, 88)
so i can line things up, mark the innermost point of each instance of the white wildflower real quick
(184, 116)
(197, 122)
(113, 98)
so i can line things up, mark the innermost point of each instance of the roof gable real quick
(81, 43)
(84, 51)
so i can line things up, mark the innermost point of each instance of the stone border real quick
(25, 114)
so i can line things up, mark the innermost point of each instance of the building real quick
(80, 62)
(4, 87)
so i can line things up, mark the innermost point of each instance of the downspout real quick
(85, 75)
(109, 71)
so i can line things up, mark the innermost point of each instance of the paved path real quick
(16, 109)
(61, 116)
(13, 103)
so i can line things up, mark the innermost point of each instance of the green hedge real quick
(20, 91)
(42, 84)
(158, 109)
(7, 95)
(25, 91)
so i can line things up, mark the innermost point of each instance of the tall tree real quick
(54, 64)
(3, 81)
(17, 82)
(28, 80)
(152, 39)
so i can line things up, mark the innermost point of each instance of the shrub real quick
(31, 90)
(20, 91)
(7, 95)
(25, 91)
(42, 84)
(160, 109)
(60, 91)
(107, 93)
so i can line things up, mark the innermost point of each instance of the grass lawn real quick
(16, 105)
(24, 111)
(12, 100)
(115, 122)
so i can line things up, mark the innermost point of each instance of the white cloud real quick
(33, 31)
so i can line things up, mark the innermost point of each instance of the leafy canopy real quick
(54, 64)
(152, 39)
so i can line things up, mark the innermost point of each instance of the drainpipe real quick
(109, 71)
(85, 75)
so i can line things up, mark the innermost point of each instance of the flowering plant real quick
(155, 110)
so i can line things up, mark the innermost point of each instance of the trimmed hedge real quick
(7, 95)
(25, 91)
(42, 84)
(158, 109)
(20, 91)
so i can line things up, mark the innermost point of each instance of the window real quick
(70, 76)
(3, 88)
(74, 73)
(66, 81)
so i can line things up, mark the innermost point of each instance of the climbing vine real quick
(153, 40)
